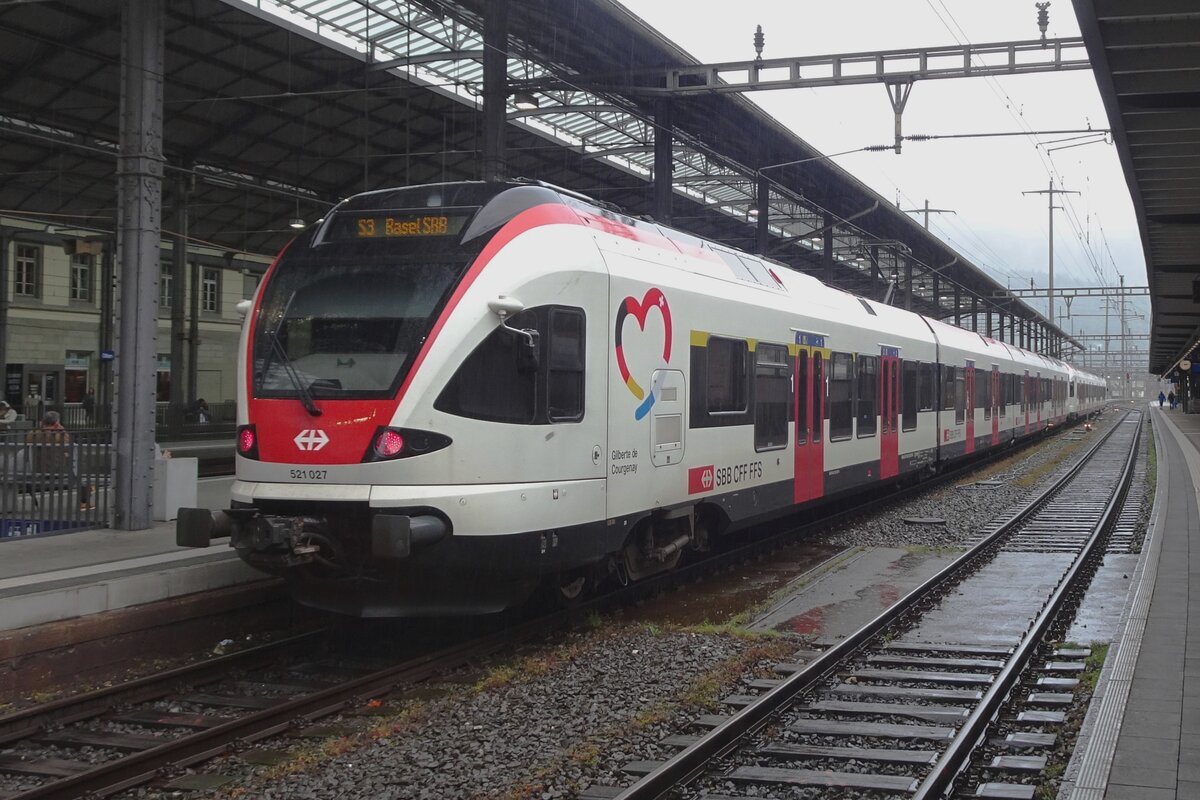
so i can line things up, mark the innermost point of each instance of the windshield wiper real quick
(305, 397)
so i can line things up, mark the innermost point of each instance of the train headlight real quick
(388, 443)
(247, 441)
(391, 443)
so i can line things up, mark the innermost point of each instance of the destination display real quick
(400, 224)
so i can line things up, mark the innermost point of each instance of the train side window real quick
(909, 385)
(983, 390)
(1004, 384)
(727, 378)
(491, 384)
(947, 387)
(503, 381)
(841, 400)
(802, 393)
(868, 395)
(772, 396)
(1072, 389)
(564, 379)
(925, 396)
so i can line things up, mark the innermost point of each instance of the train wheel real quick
(644, 553)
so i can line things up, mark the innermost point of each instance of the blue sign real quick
(886, 350)
(107, 355)
(810, 339)
(1196, 369)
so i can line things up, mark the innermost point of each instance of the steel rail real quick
(65, 710)
(141, 767)
(691, 760)
(958, 753)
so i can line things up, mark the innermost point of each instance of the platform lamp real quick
(297, 222)
(525, 101)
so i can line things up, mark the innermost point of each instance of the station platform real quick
(47, 579)
(1141, 736)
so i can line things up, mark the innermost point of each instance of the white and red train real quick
(454, 393)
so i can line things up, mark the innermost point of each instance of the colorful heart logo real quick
(629, 306)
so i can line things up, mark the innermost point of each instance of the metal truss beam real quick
(1079, 291)
(847, 69)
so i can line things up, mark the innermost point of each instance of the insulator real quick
(1043, 17)
(759, 41)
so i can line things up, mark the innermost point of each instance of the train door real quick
(995, 401)
(809, 411)
(1037, 394)
(889, 423)
(1025, 399)
(970, 406)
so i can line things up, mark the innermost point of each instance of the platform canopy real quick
(274, 111)
(1146, 56)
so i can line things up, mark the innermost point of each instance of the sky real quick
(981, 180)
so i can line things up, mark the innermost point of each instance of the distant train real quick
(455, 393)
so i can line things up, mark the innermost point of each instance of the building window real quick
(727, 376)
(841, 400)
(868, 394)
(81, 277)
(27, 271)
(166, 286)
(210, 290)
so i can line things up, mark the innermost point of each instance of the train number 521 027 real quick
(308, 474)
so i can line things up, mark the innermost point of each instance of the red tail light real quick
(388, 443)
(247, 442)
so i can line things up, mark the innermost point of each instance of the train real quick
(452, 396)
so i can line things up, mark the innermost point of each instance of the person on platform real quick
(89, 406)
(53, 455)
(1161, 397)
(8, 415)
(33, 404)
(1171, 400)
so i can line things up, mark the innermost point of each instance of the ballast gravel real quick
(543, 726)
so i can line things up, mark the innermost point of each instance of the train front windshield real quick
(342, 320)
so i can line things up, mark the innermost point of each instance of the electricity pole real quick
(927, 211)
(1050, 193)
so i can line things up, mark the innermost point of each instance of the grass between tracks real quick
(1068, 736)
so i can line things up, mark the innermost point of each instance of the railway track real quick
(114, 739)
(909, 706)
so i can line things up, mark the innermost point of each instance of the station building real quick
(59, 326)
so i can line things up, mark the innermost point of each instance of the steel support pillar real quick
(827, 248)
(193, 338)
(937, 296)
(908, 289)
(875, 271)
(139, 230)
(495, 89)
(762, 201)
(975, 313)
(178, 282)
(4, 242)
(108, 287)
(958, 306)
(664, 161)
(988, 323)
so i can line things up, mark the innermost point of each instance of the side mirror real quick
(243, 307)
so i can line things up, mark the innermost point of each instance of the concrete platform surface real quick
(52, 578)
(1141, 738)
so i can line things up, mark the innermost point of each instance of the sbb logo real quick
(701, 479)
(311, 439)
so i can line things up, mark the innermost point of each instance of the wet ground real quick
(851, 591)
(1099, 614)
(742, 590)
